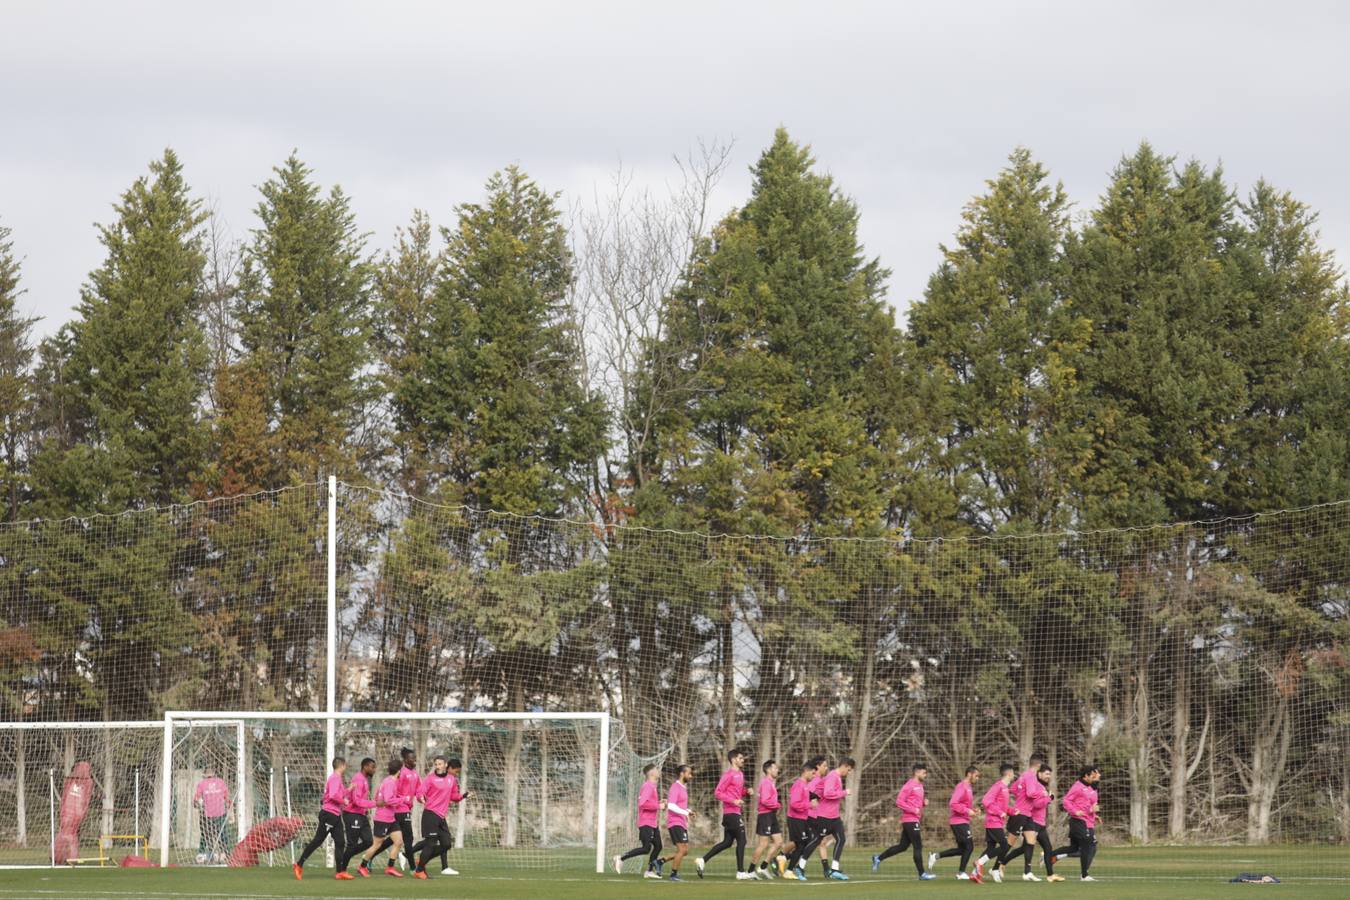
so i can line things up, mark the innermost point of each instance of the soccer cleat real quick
(618, 864)
(299, 871)
(745, 876)
(1030, 876)
(363, 871)
(978, 871)
(1087, 878)
(675, 876)
(761, 874)
(781, 862)
(962, 876)
(876, 863)
(345, 876)
(651, 873)
(801, 872)
(390, 870)
(976, 877)
(698, 864)
(1054, 878)
(420, 873)
(932, 861)
(837, 875)
(659, 864)
(998, 875)
(449, 871)
(926, 876)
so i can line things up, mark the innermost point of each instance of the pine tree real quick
(304, 320)
(16, 379)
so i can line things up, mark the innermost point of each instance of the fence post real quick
(330, 741)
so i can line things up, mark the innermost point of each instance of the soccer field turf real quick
(1154, 873)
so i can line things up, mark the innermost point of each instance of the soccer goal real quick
(540, 782)
(71, 786)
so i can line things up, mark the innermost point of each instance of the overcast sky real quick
(910, 106)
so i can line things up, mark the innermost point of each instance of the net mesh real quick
(1203, 664)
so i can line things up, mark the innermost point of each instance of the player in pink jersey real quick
(212, 799)
(995, 803)
(408, 780)
(823, 840)
(1019, 823)
(1033, 799)
(330, 821)
(677, 819)
(649, 806)
(387, 832)
(800, 818)
(1081, 804)
(769, 833)
(832, 793)
(355, 820)
(437, 790)
(1040, 805)
(910, 801)
(960, 807)
(732, 793)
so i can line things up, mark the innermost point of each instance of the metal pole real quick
(241, 776)
(330, 741)
(271, 807)
(603, 781)
(166, 791)
(51, 805)
(136, 803)
(286, 780)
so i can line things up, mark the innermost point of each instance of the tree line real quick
(933, 570)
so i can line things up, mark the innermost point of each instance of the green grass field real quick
(1153, 873)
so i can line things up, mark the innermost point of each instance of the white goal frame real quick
(239, 717)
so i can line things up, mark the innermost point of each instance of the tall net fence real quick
(1202, 664)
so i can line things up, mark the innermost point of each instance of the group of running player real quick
(344, 815)
(1013, 808)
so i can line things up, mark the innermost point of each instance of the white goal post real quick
(316, 734)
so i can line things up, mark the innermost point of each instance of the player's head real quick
(684, 773)
(394, 765)
(1044, 773)
(736, 757)
(972, 774)
(209, 772)
(367, 767)
(1091, 773)
(339, 764)
(454, 765)
(651, 772)
(1006, 772)
(409, 758)
(1037, 760)
(770, 768)
(919, 771)
(845, 766)
(809, 769)
(440, 764)
(822, 765)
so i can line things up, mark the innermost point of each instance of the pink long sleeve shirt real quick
(334, 794)
(358, 797)
(831, 792)
(677, 795)
(408, 782)
(910, 800)
(1036, 800)
(1078, 803)
(1019, 790)
(214, 797)
(814, 787)
(961, 804)
(388, 792)
(649, 805)
(799, 800)
(995, 803)
(768, 796)
(730, 790)
(437, 792)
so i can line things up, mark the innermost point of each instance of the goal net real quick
(539, 782)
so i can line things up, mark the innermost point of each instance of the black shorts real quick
(384, 829)
(357, 825)
(961, 833)
(799, 831)
(732, 822)
(432, 823)
(832, 826)
(678, 834)
(402, 818)
(1016, 824)
(813, 826)
(766, 824)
